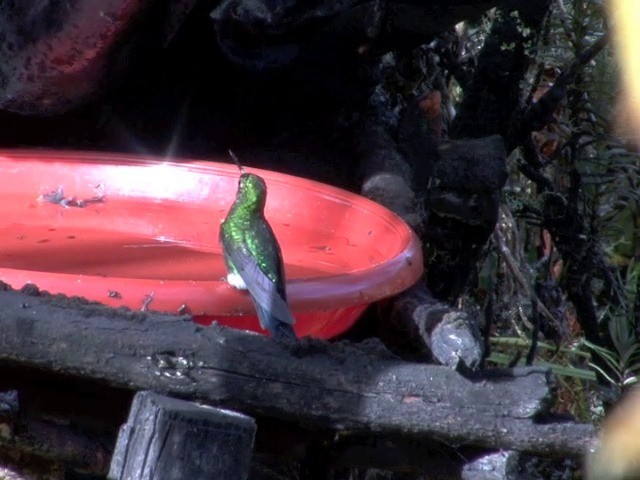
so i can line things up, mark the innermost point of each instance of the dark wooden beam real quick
(355, 388)
(166, 438)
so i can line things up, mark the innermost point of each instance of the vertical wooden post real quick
(166, 438)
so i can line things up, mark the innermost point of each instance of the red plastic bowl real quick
(143, 233)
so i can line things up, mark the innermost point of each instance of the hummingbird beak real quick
(236, 161)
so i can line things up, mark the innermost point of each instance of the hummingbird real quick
(253, 257)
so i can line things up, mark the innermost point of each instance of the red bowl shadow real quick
(142, 232)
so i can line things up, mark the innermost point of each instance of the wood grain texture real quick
(355, 388)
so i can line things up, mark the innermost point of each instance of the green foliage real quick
(558, 360)
(622, 359)
(569, 364)
(596, 185)
(611, 178)
(623, 362)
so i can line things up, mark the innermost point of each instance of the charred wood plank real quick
(341, 386)
(167, 438)
(417, 323)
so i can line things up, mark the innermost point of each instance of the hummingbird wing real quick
(263, 290)
(267, 292)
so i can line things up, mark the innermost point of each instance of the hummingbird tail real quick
(283, 331)
(277, 328)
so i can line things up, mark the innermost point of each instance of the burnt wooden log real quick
(456, 220)
(419, 323)
(341, 386)
(386, 174)
(463, 207)
(166, 438)
(495, 466)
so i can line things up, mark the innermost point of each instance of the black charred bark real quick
(165, 438)
(348, 388)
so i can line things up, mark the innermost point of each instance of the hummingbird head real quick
(252, 192)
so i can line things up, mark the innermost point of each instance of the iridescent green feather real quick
(250, 231)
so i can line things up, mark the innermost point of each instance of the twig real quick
(515, 270)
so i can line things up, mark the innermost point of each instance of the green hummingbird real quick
(253, 256)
